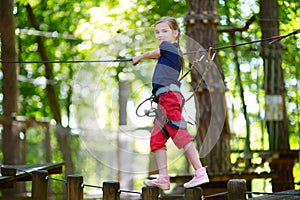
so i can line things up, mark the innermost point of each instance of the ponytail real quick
(181, 54)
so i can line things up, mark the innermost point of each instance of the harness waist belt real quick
(172, 87)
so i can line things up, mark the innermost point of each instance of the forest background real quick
(86, 124)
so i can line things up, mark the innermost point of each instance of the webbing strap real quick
(172, 87)
(164, 130)
(175, 124)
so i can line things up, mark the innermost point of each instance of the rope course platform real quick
(10, 174)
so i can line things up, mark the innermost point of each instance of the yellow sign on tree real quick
(274, 108)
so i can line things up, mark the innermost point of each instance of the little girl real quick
(166, 89)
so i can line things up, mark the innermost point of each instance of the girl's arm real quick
(146, 56)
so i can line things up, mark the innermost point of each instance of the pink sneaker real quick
(162, 182)
(200, 178)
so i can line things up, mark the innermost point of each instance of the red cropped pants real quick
(170, 104)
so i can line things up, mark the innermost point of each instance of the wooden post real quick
(111, 190)
(193, 193)
(39, 185)
(74, 187)
(150, 193)
(236, 189)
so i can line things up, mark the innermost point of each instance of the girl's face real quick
(163, 32)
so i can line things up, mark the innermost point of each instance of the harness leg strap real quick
(163, 129)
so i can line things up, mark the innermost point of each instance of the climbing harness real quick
(154, 112)
(160, 119)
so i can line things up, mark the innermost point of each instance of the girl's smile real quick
(163, 32)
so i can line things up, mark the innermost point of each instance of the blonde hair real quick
(172, 22)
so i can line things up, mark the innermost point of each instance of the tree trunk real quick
(10, 135)
(62, 134)
(277, 123)
(274, 84)
(9, 83)
(213, 129)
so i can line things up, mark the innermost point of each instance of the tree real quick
(274, 84)
(277, 124)
(61, 133)
(9, 83)
(10, 134)
(201, 26)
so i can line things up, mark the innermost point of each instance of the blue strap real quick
(172, 87)
(175, 124)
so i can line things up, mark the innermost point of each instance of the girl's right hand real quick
(136, 60)
(146, 56)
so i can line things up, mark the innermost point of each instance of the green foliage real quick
(121, 29)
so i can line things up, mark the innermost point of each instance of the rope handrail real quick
(129, 191)
(67, 61)
(161, 196)
(214, 195)
(93, 186)
(21, 170)
(272, 40)
(282, 193)
(297, 193)
(114, 186)
(56, 179)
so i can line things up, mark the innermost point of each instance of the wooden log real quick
(39, 185)
(150, 193)
(236, 189)
(111, 190)
(192, 193)
(74, 187)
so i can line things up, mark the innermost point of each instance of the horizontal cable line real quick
(93, 186)
(214, 195)
(67, 61)
(275, 193)
(129, 191)
(56, 179)
(271, 39)
(21, 170)
(161, 196)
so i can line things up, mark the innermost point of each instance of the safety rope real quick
(208, 64)
(147, 112)
(271, 41)
(67, 61)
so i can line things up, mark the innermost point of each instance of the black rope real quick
(161, 196)
(150, 112)
(56, 179)
(21, 170)
(93, 186)
(214, 195)
(273, 40)
(67, 61)
(129, 191)
(297, 193)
